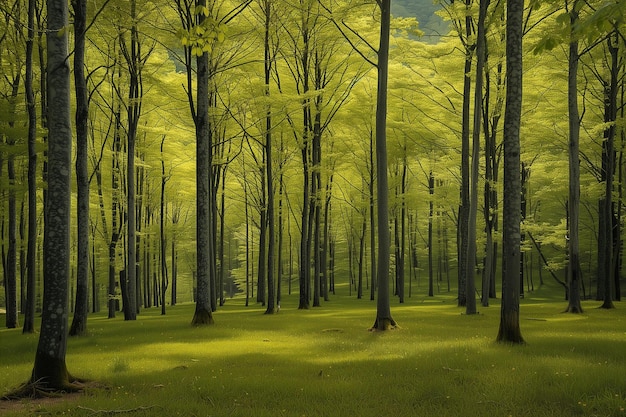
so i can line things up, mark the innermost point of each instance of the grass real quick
(325, 362)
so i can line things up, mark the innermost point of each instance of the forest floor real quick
(325, 362)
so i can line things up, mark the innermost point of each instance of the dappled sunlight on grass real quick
(325, 362)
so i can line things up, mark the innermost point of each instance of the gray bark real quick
(50, 368)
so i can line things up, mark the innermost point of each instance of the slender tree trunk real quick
(133, 60)
(431, 204)
(470, 283)
(383, 319)
(163, 240)
(81, 306)
(12, 314)
(464, 208)
(609, 168)
(269, 174)
(372, 212)
(29, 310)
(573, 269)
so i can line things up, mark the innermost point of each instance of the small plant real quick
(119, 365)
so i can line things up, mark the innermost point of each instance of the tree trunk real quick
(470, 284)
(203, 314)
(608, 172)
(269, 174)
(509, 331)
(163, 240)
(12, 314)
(573, 269)
(134, 62)
(431, 212)
(464, 208)
(383, 319)
(372, 211)
(29, 310)
(50, 370)
(81, 306)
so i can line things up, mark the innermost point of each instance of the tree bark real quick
(509, 330)
(573, 269)
(50, 370)
(29, 310)
(470, 283)
(203, 313)
(81, 306)
(383, 320)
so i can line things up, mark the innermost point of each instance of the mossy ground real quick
(325, 362)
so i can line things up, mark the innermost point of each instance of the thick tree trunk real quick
(49, 370)
(509, 331)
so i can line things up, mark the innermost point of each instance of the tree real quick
(50, 370)
(470, 305)
(81, 308)
(573, 268)
(383, 319)
(509, 330)
(204, 231)
(29, 310)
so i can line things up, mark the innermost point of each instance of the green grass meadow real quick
(325, 362)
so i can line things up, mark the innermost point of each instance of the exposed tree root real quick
(383, 323)
(130, 410)
(40, 389)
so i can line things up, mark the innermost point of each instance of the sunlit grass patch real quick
(325, 362)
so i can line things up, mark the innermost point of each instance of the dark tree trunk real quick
(50, 370)
(509, 331)
(81, 306)
(431, 211)
(464, 208)
(608, 172)
(271, 293)
(134, 62)
(383, 319)
(372, 212)
(29, 309)
(203, 314)
(574, 275)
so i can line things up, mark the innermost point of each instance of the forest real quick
(267, 150)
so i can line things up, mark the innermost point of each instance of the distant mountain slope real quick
(424, 11)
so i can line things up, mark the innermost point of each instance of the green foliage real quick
(202, 37)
